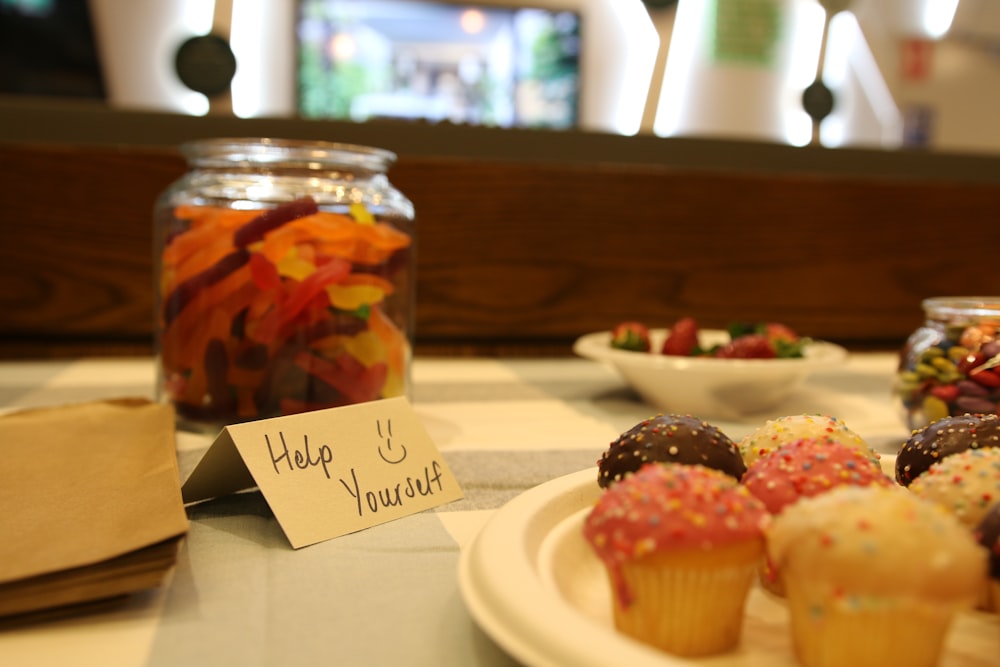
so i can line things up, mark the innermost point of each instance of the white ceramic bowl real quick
(707, 387)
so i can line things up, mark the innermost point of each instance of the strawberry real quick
(750, 346)
(632, 336)
(775, 332)
(682, 339)
(787, 343)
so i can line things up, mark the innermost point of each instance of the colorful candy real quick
(953, 373)
(273, 312)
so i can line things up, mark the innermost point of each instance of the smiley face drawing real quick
(392, 453)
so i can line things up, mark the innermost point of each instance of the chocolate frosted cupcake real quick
(947, 436)
(669, 439)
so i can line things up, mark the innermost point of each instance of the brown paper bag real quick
(90, 502)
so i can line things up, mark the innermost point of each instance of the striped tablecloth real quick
(387, 595)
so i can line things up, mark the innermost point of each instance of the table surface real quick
(389, 594)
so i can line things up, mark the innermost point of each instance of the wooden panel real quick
(522, 252)
(75, 264)
(520, 258)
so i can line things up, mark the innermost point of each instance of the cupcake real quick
(803, 469)
(966, 483)
(681, 545)
(781, 431)
(874, 576)
(988, 535)
(947, 436)
(669, 439)
(809, 467)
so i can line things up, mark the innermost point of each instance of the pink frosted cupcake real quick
(803, 469)
(681, 545)
(809, 467)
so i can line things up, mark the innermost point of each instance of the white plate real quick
(532, 584)
(705, 386)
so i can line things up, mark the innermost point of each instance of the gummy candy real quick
(264, 313)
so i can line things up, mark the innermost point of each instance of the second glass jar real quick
(286, 283)
(951, 364)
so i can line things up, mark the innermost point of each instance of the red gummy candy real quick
(986, 377)
(968, 363)
(946, 392)
(272, 219)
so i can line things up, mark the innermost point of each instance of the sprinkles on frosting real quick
(784, 430)
(876, 544)
(669, 439)
(665, 507)
(966, 483)
(808, 467)
(942, 438)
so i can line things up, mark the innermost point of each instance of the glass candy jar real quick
(951, 364)
(285, 281)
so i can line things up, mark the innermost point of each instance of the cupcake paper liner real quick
(851, 631)
(686, 607)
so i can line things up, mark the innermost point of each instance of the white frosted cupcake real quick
(874, 576)
(803, 469)
(967, 484)
(785, 430)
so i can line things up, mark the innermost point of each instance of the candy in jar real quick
(951, 364)
(285, 281)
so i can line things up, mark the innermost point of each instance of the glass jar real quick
(285, 281)
(951, 364)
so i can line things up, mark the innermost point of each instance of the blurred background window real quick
(411, 59)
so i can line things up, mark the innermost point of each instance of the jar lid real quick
(228, 152)
(962, 306)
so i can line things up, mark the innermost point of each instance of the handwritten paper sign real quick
(329, 472)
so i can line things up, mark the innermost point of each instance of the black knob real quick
(817, 100)
(205, 64)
